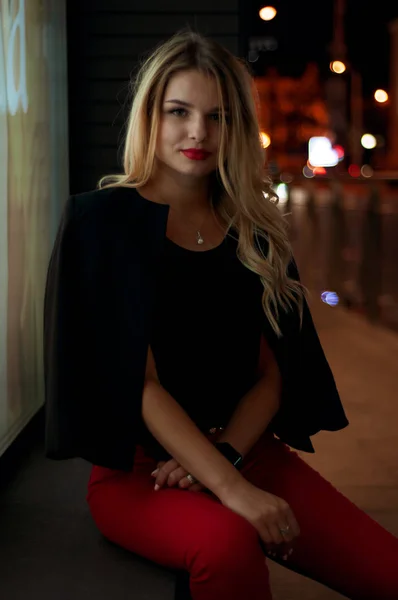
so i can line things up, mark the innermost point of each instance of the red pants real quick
(339, 546)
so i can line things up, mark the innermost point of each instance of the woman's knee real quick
(230, 543)
(228, 562)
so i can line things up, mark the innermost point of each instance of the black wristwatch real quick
(230, 454)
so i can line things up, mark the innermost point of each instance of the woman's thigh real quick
(171, 526)
(339, 544)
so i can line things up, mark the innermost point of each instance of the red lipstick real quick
(194, 154)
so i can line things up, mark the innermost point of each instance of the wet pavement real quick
(345, 239)
(361, 460)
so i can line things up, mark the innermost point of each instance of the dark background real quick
(304, 31)
(106, 39)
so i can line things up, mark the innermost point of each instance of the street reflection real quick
(345, 240)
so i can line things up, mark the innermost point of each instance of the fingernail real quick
(284, 557)
(290, 551)
(155, 472)
(157, 487)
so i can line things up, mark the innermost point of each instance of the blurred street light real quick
(366, 171)
(267, 13)
(337, 66)
(368, 141)
(265, 139)
(321, 153)
(381, 96)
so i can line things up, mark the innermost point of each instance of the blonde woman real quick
(181, 357)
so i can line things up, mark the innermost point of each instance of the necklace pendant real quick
(199, 239)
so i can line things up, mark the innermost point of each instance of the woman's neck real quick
(189, 195)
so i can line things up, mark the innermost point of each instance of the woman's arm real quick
(258, 407)
(178, 434)
(169, 423)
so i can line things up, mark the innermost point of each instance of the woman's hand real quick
(170, 473)
(271, 516)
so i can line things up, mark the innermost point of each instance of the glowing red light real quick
(339, 150)
(354, 171)
(319, 171)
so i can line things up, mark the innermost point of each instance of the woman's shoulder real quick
(104, 202)
(115, 205)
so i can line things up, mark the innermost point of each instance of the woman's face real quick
(189, 128)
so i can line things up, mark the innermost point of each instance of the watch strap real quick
(230, 454)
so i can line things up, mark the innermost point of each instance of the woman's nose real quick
(198, 129)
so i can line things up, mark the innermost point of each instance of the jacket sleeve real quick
(62, 359)
(310, 400)
(94, 358)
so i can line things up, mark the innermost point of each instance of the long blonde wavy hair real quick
(242, 194)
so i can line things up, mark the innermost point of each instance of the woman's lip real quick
(195, 154)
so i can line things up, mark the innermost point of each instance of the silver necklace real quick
(199, 237)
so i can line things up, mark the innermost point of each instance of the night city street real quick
(126, 323)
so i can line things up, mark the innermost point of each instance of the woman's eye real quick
(178, 112)
(181, 112)
(217, 117)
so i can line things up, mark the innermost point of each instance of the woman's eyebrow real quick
(188, 105)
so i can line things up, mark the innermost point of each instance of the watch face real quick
(238, 463)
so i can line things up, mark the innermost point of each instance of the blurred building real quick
(291, 111)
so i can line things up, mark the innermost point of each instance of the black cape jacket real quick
(97, 316)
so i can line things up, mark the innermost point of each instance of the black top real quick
(101, 303)
(209, 363)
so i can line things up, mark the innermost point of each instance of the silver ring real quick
(285, 529)
(190, 478)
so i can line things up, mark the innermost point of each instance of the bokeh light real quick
(330, 298)
(321, 153)
(368, 141)
(366, 171)
(253, 55)
(283, 192)
(267, 13)
(381, 96)
(354, 171)
(265, 139)
(307, 172)
(337, 66)
(339, 151)
(319, 171)
(286, 177)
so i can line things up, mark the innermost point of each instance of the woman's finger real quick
(277, 537)
(164, 472)
(186, 483)
(196, 487)
(286, 530)
(291, 519)
(265, 538)
(158, 466)
(176, 476)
